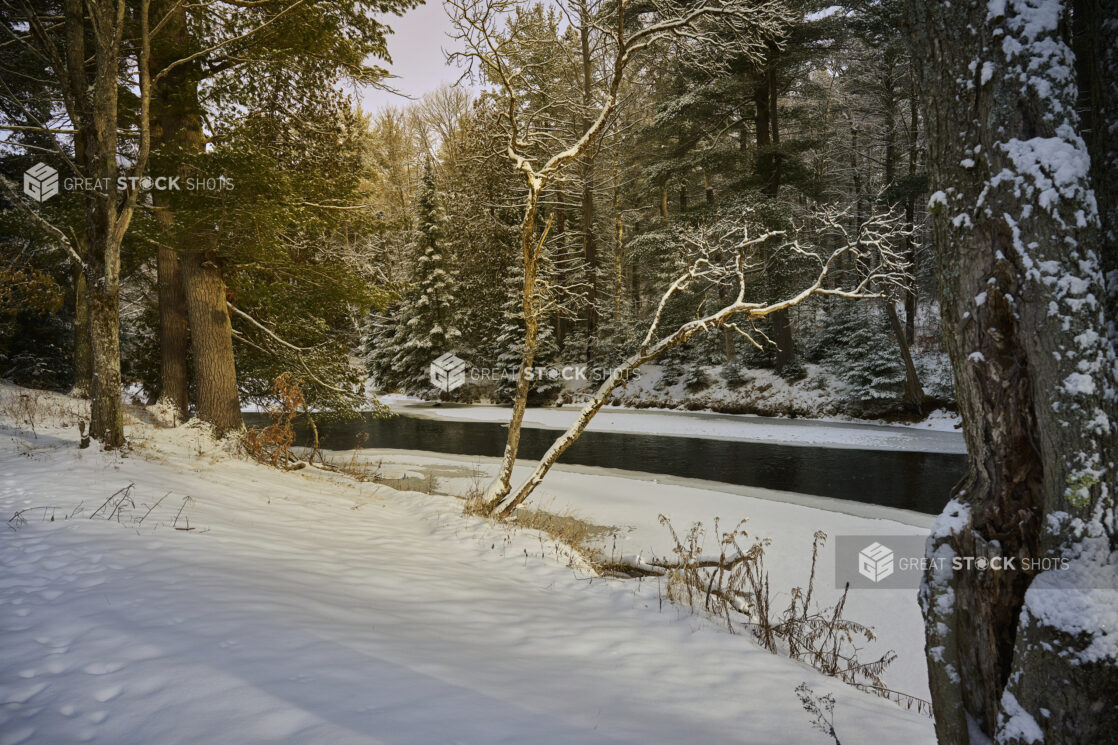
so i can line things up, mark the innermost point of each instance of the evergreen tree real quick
(427, 326)
(861, 352)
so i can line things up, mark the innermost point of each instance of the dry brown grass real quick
(580, 537)
(583, 537)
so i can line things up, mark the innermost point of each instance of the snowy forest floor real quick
(220, 600)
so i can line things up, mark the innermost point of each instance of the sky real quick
(418, 59)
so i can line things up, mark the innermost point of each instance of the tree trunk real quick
(768, 170)
(589, 244)
(106, 419)
(913, 392)
(94, 104)
(177, 136)
(1095, 41)
(1015, 232)
(83, 354)
(499, 488)
(211, 340)
(910, 224)
(782, 337)
(173, 336)
(563, 262)
(764, 167)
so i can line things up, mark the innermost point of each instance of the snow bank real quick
(306, 608)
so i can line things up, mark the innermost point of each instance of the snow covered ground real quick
(304, 607)
(935, 435)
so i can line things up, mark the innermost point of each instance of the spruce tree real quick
(861, 353)
(427, 314)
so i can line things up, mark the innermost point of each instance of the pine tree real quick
(862, 354)
(427, 326)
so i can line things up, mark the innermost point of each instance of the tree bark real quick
(176, 135)
(589, 244)
(913, 392)
(198, 297)
(91, 97)
(173, 332)
(83, 354)
(1095, 41)
(768, 169)
(910, 223)
(1018, 273)
(211, 340)
(106, 423)
(500, 486)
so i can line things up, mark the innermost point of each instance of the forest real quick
(877, 217)
(358, 235)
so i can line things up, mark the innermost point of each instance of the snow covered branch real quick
(875, 264)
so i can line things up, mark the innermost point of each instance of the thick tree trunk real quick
(211, 340)
(1015, 232)
(173, 336)
(106, 420)
(177, 136)
(782, 338)
(1095, 42)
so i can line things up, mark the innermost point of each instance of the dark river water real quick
(903, 479)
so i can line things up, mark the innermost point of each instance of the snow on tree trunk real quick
(1016, 230)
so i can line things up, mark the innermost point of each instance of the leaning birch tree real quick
(1029, 654)
(629, 30)
(868, 263)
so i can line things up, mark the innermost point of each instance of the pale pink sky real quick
(417, 48)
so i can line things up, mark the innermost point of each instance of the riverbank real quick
(937, 434)
(181, 594)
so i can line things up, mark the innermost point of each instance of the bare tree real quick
(875, 252)
(629, 30)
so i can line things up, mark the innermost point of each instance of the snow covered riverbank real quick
(304, 607)
(936, 435)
